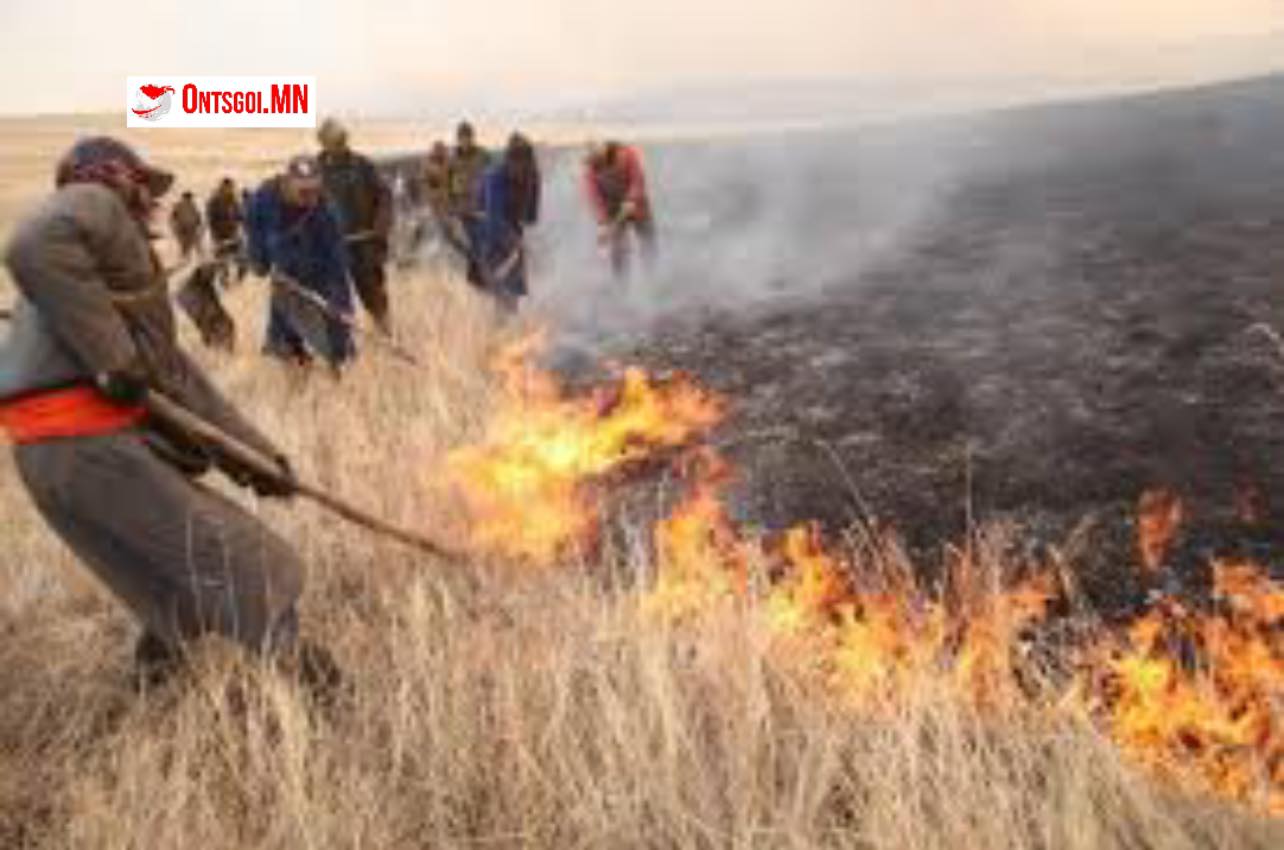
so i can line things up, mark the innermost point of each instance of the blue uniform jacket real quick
(309, 249)
(506, 209)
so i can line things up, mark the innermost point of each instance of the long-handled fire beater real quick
(189, 423)
(293, 287)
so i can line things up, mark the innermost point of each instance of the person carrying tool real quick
(224, 215)
(509, 201)
(615, 186)
(186, 225)
(435, 180)
(363, 204)
(294, 238)
(432, 190)
(92, 339)
(468, 163)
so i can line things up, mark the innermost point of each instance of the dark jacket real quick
(358, 194)
(185, 220)
(508, 206)
(307, 246)
(223, 215)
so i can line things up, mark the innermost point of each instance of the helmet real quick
(111, 161)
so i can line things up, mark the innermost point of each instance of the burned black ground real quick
(1068, 326)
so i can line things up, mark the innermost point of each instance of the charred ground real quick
(1067, 326)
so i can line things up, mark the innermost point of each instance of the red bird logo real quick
(155, 91)
(157, 103)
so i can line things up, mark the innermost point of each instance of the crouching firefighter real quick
(295, 239)
(93, 334)
(615, 186)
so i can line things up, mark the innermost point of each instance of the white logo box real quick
(186, 102)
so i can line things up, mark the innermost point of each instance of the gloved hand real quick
(126, 387)
(280, 484)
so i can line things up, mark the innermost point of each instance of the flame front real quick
(1196, 698)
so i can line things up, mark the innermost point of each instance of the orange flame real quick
(526, 485)
(701, 558)
(1197, 697)
(1194, 697)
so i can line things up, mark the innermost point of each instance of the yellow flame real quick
(1194, 697)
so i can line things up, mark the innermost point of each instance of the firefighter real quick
(615, 186)
(435, 180)
(407, 232)
(92, 336)
(295, 240)
(363, 204)
(225, 216)
(186, 225)
(468, 162)
(509, 199)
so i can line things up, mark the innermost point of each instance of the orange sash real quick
(79, 411)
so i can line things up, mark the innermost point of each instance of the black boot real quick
(156, 661)
(308, 663)
(319, 674)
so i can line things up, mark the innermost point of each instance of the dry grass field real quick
(506, 705)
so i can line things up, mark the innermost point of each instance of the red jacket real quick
(610, 187)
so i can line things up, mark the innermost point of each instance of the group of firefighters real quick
(322, 228)
(92, 341)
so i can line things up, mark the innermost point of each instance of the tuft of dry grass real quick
(489, 707)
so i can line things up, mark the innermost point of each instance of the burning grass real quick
(752, 690)
(759, 691)
(1190, 693)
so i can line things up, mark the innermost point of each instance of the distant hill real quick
(844, 100)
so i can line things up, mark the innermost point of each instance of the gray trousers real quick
(186, 560)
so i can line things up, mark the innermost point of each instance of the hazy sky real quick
(63, 55)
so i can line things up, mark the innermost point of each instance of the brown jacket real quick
(435, 184)
(94, 300)
(464, 178)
